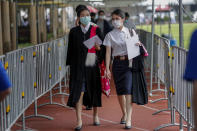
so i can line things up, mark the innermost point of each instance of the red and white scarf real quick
(91, 56)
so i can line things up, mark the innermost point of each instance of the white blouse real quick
(116, 39)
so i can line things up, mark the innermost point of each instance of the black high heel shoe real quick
(96, 124)
(122, 121)
(127, 127)
(78, 128)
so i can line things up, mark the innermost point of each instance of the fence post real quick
(152, 43)
(188, 111)
(1, 117)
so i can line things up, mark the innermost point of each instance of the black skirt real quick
(122, 77)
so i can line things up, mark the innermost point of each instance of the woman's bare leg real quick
(95, 115)
(128, 109)
(122, 102)
(79, 110)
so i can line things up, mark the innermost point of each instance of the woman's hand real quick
(108, 59)
(138, 44)
(107, 74)
(97, 46)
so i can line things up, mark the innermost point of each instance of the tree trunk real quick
(1, 40)
(39, 24)
(44, 30)
(55, 22)
(64, 21)
(13, 25)
(33, 26)
(6, 27)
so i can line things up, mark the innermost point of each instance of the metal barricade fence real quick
(145, 38)
(182, 89)
(160, 59)
(19, 67)
(33, 72)
(170, 73)
(58, 68)
(161, 70)
(62, 62)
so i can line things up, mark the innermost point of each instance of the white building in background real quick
(166, 2)
(173, 17)
(142, 18)
(173, 12)
(195, 16)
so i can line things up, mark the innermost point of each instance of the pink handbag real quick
(104, 81)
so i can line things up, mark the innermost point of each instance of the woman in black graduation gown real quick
(85, 81)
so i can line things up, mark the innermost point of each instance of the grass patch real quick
(188, 28)
(23, 45)
(49, 36)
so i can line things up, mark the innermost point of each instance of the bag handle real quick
(134, 33)
(131, 30)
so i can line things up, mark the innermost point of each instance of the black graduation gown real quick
(140, 93)
(76, 57)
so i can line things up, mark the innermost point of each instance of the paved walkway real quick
(110, 114)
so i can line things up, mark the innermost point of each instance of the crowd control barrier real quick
(33, 72)
(183, 90)
(168, 69)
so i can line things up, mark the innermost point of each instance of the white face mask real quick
(117, 23)
(102, 17)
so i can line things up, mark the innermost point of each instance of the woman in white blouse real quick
(115, 42)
